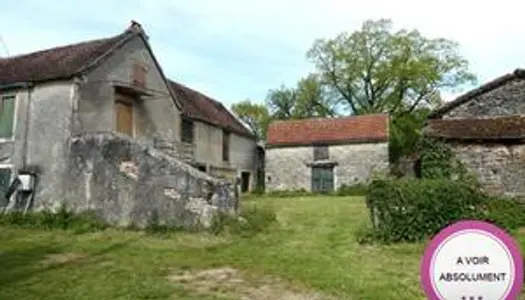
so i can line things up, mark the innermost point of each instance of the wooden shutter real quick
(7, 113)
(225, 146)
(124, 117)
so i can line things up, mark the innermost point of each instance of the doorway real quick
(245, 181)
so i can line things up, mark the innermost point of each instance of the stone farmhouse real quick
(97, 125)
(321, 155)
(486, 129)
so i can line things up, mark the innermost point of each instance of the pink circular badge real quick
(472, 260)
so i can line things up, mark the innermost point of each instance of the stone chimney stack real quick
(136, 27)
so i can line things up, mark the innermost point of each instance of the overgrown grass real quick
(62, 219)
(312, 245)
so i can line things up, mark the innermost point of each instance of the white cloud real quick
(236, 49)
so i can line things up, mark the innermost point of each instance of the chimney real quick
(136, 27)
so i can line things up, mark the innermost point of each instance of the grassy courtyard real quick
(311, 254)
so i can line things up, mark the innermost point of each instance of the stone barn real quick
(321, 155)
(486, 129)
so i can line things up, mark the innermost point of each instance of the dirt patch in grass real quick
(235, 284)
(60, 258)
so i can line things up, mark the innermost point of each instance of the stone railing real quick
(180, 150)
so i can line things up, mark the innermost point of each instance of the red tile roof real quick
(56, 63)
(367, 128)
(198, 106)
(496, 128)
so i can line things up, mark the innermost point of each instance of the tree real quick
(255, 115)
(376, 70)
(308, 99)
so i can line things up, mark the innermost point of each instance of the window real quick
(139, 75)
(225, 145)
(7, 114)
(187, 131)
(322, 179)
(321, 152)
(124, 114)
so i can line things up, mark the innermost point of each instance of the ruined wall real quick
(131, 183)
(288, 168)
(499, 168)
(503, 101)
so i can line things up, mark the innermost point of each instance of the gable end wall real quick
(503, 101)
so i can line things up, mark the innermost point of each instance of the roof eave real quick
(236, 131)
(330, 143)
(16, 85)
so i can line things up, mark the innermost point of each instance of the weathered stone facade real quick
(57, 136)
(496, 152)
(126, 183)
(289, 168)
(499, 168)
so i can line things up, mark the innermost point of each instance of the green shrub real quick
(62, 219)
(352, 190)
(411, 210)
(250, 221)
(506, 213)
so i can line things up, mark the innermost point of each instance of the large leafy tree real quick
(255, 115)
(378, 70)
(308, 99)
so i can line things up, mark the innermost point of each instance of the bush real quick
(250, 221)
(411, 210)
(506, 213)
(62, 219)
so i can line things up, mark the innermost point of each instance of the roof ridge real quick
(328, 118)
(61, 47)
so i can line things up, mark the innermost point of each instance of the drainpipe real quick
(26, 129)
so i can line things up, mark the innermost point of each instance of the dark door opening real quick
(245, 181)
(202, 168)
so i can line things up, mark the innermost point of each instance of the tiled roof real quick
(367, 128)
(56, 63)
(472, 94)
(198, 106)
(496, 128)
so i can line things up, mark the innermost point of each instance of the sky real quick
(234, 50)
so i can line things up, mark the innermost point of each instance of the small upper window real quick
(7, 116)
(187, 131)
(321, 152)
(139, 75)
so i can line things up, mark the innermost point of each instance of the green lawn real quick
(312, 252)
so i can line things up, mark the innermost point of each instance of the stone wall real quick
(130, 183)
(503, 101)
(287, 168)
(208, 150)
(499, 168)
